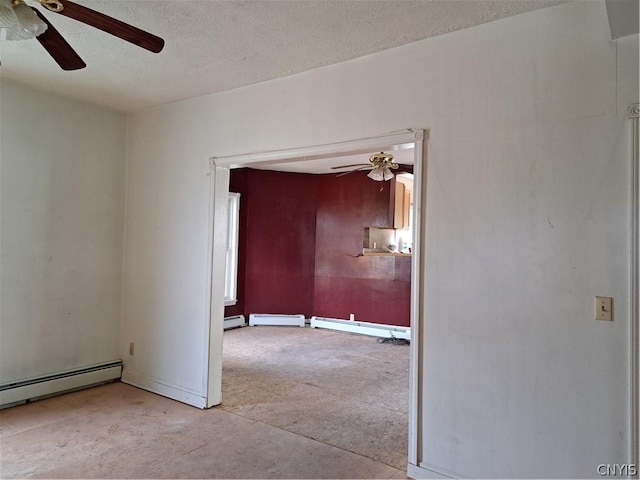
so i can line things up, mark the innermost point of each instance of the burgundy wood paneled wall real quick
(277, 242)
(374, 288)
(300, 237)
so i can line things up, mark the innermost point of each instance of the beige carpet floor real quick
(344, 390)
(297, 403)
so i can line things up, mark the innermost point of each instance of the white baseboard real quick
(427, 472)
(275, 319)
(171, 391)
(52, 384)
(234, 321)
(363, 328)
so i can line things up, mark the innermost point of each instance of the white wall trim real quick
(234, 321)
(428, 472)
(276, 319)
(61, 382)
(315, 152)
(417, 304)
(215, 297)
(634, 113)
(408, 137)
(166, 389)
(233, 231)
(363, 328)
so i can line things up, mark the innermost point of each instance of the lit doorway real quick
(404, 140)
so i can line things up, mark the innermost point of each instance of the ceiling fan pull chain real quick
(52, 5)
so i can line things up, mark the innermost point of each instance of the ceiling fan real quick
(380, 165)
(23, 22)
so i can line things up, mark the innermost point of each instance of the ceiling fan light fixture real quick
(388, 175)
(27, 25)
(52, 5)
(380, 174)
(381, 158)
(7, 15)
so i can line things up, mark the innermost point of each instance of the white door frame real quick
(216, 259)
(220, 167)
(634, 115)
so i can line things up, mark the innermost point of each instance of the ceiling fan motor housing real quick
(383, 160)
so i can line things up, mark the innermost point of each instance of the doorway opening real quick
(318, 158)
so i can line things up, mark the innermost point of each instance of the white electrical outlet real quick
(132, 347)
(603, 308)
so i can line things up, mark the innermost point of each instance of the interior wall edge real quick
(160, 387)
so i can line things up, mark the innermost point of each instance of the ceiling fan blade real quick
(110, 25)
(348, 166)
(58, 48)
(365, 167)
(405, 168)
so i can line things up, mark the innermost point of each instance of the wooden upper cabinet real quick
(400, 204)
(406, 208)
(398, 209)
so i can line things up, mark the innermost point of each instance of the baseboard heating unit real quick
(21, 391)
(363, 328)
(281, 320)
(234, 321)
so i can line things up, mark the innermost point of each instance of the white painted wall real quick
(62, 207)
(527, 220)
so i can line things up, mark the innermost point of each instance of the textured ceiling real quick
(217, 45)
